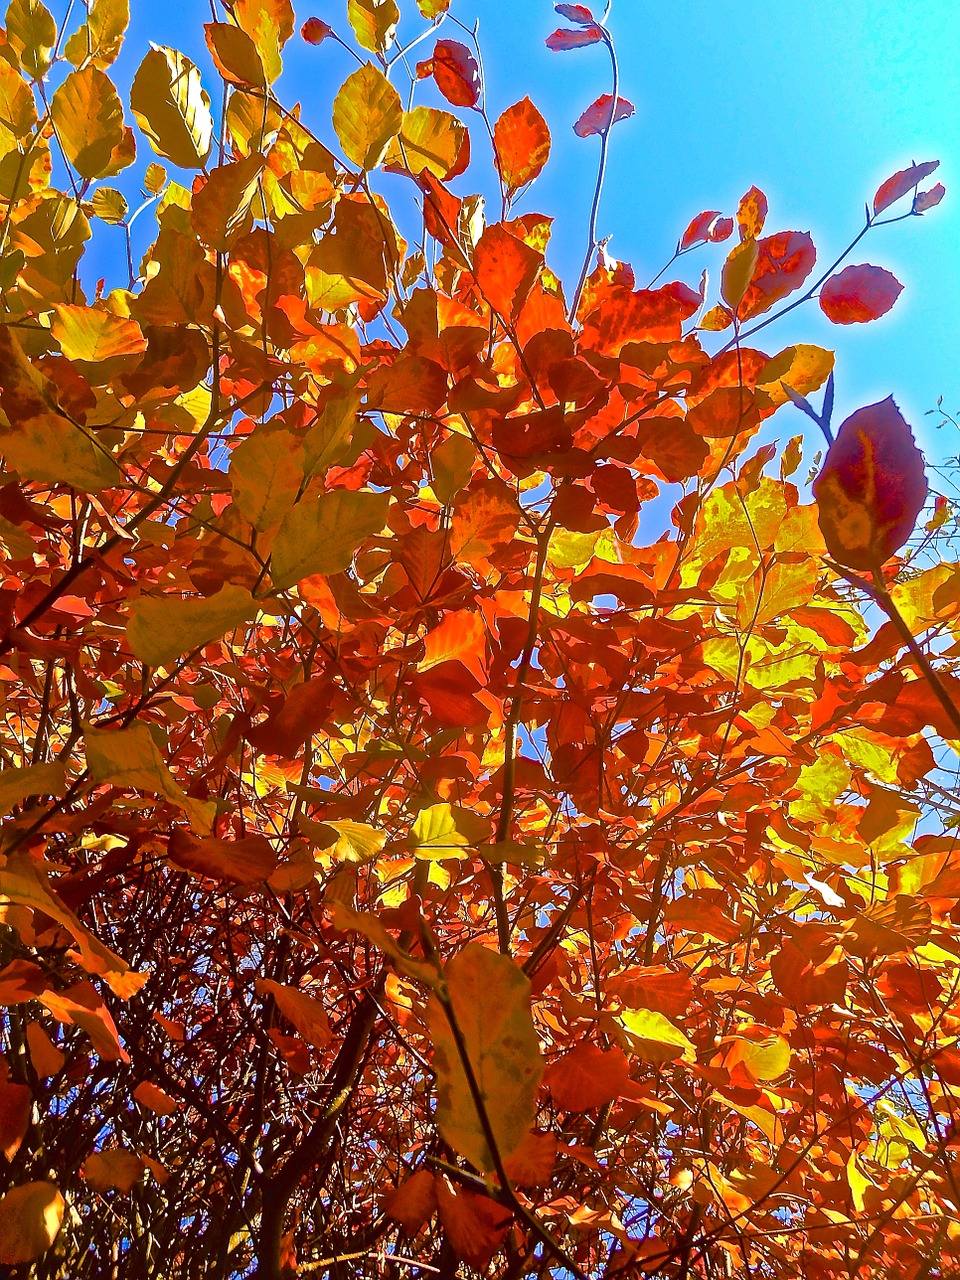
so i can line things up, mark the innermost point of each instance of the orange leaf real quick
(858, 294)
(588, 1077)
(413, 1203)
(505, 270)
(521, 142)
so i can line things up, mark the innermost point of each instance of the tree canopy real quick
(470, 806)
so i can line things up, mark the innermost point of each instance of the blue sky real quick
(814, 102)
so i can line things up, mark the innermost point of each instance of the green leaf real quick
(100, 37)
(653, 1037)
(489, 999)
(164, 628)
(322, 536)
(173, 108)
(131, 758)
(367, 115)
(374, 23)
(32, 35)
(446, 830)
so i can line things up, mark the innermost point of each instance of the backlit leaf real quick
(901, 182)
(163, 628)
(871, 487)
(858, 294)
(235, 54)
(172, 107)
(88, 116)
(131, 758)
(655, 1038)
(783, 263)
(30, 1218)
(31, 34)
(374, 23)
(505, 270)
(490, 1002)
(305, 1012)
(31, 780)
(521, 143)
(367, 116)
(601, 116)
(564, 39)
(456, 72)
(322, 536)
(269, 24)
(447, 831)
(99, 38)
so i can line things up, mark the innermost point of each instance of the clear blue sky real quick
(815, 102)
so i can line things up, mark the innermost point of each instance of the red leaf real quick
(505, 269)
(521, 142)
(448, 689)
(456, 72)
(246, 861)
(871, 487)
(597, 117)
(708, 225)
(858, 294)
(476, 1226)
(563, 39)
(724, 412)
(588, 1077)
(413, 1203)
(575, 13)
(900, 183)
(925, 200)
(784, 261)
(441, 210)
(315, 30)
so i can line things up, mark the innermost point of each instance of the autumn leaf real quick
(30, 1218)
(489, 1002)
(88, 116)
(455, 71)
(131, 758)
(858, 294)
(899, 183)
(172, 107)
(871, 487)
(367, 116)
(601, 116)
(323, 536)
(521, 142)
(564, 39)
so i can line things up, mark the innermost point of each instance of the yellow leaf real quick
(803, 368)
(32, 35)
(88, 116)
(761, 1059)
(266, 472)
(32, 780)
(737, 271)
(131, 758)
(90, 335)
(18, 107)
(99, 39)
(24, 882)
(489, 999)
(356, 841)
(172, 107)
(857, 1182)
(163, 628)
(305, 1012)
(446, 830)
(235, 54)
(374, 23)
(30, 1218)
(269, 24)
(109, 205)
(429, 139)
(322, 536)
(367, 115)
(52, 450)
(653, 1037)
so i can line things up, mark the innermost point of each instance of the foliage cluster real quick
(462, 812)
